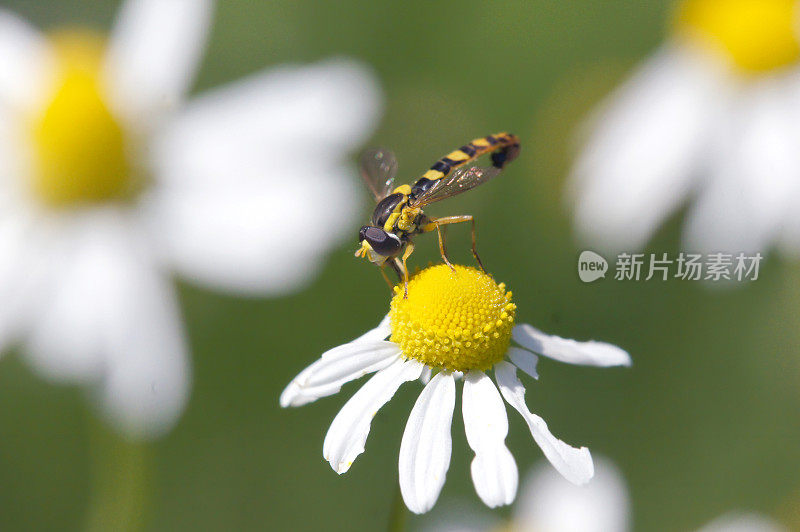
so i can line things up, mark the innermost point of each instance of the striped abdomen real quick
(503, 147)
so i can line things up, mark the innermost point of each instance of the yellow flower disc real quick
(456, 321)
(79, 145)
(757, 35)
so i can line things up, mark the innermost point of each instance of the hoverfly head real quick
(377, 245)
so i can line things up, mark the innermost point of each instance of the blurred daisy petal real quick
(494, 471)
(573, 463)
(146, 386)
(336, 367)
(250, 239)
(230, 154)
(153, 55)
(91, 263)
(548, 502)
(110, 320)
(25, 63)
(638, 163)
(17, 262)
(257, 128)
(426, 445)
(589, 353)
(753, 179)
(348, 433)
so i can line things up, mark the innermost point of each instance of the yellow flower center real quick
(756, 35)
(453, 320)
(79, 146)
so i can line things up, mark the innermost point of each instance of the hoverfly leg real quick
(386, 278)
(438, 224)
(407, 253)
(395, 264)
(474, 250)
(402, 273)
(435, 224)
(442, 246)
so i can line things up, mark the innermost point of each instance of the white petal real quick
(574, 464)
(426, 446)
(26, 63)
(146, 385)
(19, 261)
(425, 378)
(381, 332)
(589, 353)
(242, 205)
(336, 367)
(524, 360)
(494, 471)
(252, 238)
(548, 502)
(743, 522)
(644, 149)
(256, 129)
(15, 162)
(109, 319)
(154, 52)
(271, 119)
(348, 432)
(753, 181)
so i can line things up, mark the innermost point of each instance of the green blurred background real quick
(705, 422)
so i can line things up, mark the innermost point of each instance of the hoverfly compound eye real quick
(382, 242)
(362, 233)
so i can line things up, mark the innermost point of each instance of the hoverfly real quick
(398, 215)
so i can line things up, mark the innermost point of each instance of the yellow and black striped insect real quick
(398, 215)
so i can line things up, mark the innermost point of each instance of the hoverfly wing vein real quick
(461, 180)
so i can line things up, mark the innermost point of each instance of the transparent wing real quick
(378, 169)
(461, 180)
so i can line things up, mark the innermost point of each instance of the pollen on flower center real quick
(457, 321)
(79, 146)
(757, 35)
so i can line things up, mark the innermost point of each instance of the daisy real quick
(454, 325)
(110, 181)
(712, 118)
(550, 504)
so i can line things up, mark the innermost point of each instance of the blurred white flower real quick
(110, 181)
(549, 504)
(712, 118)
(452, 325)
(743, 522)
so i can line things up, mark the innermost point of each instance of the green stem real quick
(119, 480)
(398, 512)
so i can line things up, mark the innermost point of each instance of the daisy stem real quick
(119, 480)
(397, 513)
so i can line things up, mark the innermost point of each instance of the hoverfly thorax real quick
(386, 207)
